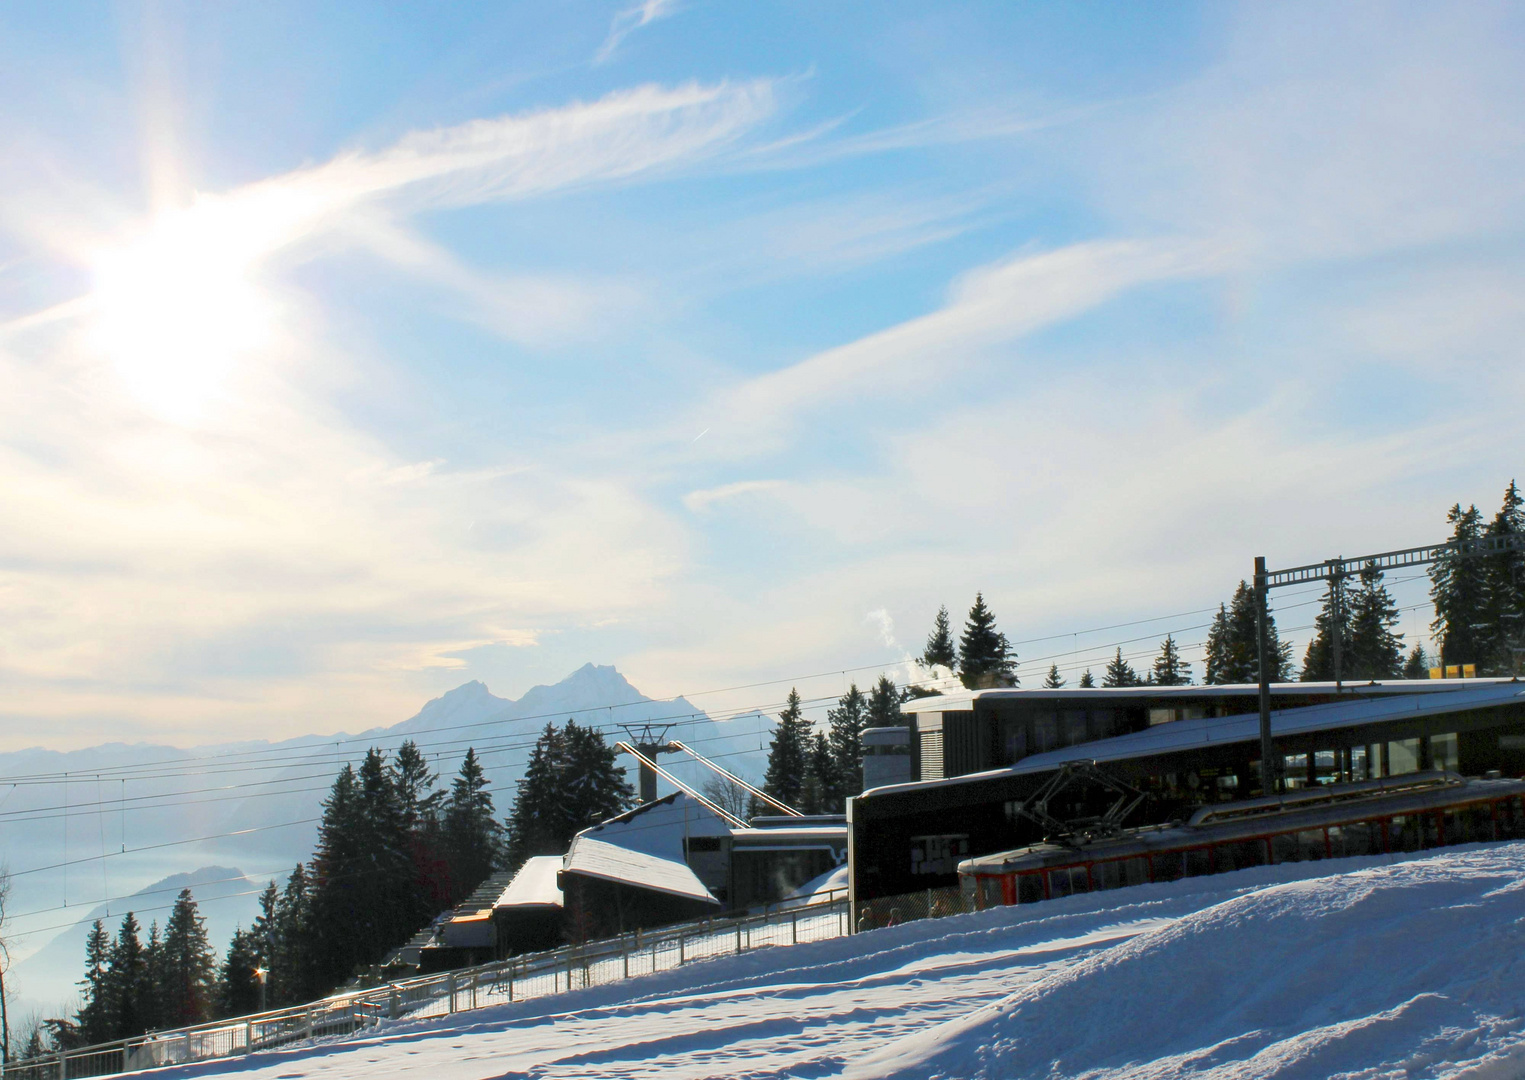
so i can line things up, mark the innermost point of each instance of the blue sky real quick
(353, 353)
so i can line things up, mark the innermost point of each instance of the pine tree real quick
(940, 651)
(263, 935)
(237, 985)
(883, 707)
(293, 974)
(822, 784)
(417, 800)
(1318, 658)
(1417, 666)
(1238, 645)
(1504, 581)
(1376, 651)
(1119, 672)
(788, 754)
(129, 992)
(1053, 680)
(985, 656)
(189, 968)
(93, 1016)
(1086, 681)
(151, 1005)
(1458, 586)
(472, 836)
(540, 821)
(1215, 653)
(1169, 669)
(846, 723)
(597, 785)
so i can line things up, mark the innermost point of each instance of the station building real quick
(976, 755)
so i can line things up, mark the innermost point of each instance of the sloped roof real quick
(534, 885)
(611, 862)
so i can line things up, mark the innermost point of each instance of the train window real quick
(1029, 888)
(1068, 880)
(1239, 855)
(1199, 862)
(1403, 833)
(1311, 844)
(1284, 848)
(1468, 825)
(1167, 865)
(1108, 875)
(1075, 727)
(1135, 871)
(1357, 838)
(1511, 822)
(990, 892)
(1429, 829)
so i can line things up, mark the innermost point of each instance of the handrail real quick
(353, 1009)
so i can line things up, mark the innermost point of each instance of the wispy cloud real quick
(631, 19)
(699, 501)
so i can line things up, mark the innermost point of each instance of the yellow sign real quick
(1454, 671)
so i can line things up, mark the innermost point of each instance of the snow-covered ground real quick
(1351, 968)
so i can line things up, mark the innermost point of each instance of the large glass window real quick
(1360, 838)
(1403, 833)
(1284, 848)
(1239, 855)
(1167, 865)
(1199, 861)
(1402, 757)
(1075, 727)
(1310, 843)
(1045, 734)
(1068, 880)
(1029, 888)
(1443, 752)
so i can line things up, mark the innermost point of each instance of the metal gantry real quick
(1335, 571)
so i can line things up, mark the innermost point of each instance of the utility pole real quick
(1333, 571)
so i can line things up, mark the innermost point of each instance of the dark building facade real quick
(977, 755)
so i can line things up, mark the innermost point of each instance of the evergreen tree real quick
(1376, 651)
(940, 651)
(1504, 581)
(788, 754)
(417, 800)
(151, 1005)
(1417, 666)
(1215, 653)
(472, 836)
(1318, 658)
(540, 823)
(93, 1018)
(883, 707)
(263, 935)
(985, 656)
(1053, 680)
(237, 985)
(846, 723)
(822, 784)
(189, 971)
(1238, 660)
(294, 933)
(1119, 672)
(1169, 669)
(129, 993)
(598, 788)
(1458, 586)
(1086, 681)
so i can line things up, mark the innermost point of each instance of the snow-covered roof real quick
(964, 699)
(534, 885)
(611, 862)
(1180, 735)
(659, 828)
(786, 837)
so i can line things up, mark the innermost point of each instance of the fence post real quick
(307, 1015)
(625, 955)
(680, 948)
(394, 1004)
(510, 980)
(63, 1065)
(738, 937)
(450, 983)
(794, 928)
(248, 1040)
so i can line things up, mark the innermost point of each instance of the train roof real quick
(1201, 732)
(1312, 808)
(965, 699)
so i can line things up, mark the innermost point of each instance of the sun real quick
(177, 307)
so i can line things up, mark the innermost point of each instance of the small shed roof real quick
(534, 885)
(610, 862)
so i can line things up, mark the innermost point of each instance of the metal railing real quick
(519, 978)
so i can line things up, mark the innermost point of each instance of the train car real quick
(1369, 817)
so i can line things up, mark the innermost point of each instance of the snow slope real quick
(1352, 968)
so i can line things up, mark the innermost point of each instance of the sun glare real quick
(177, 307)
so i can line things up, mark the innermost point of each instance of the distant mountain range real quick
(132, 820)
